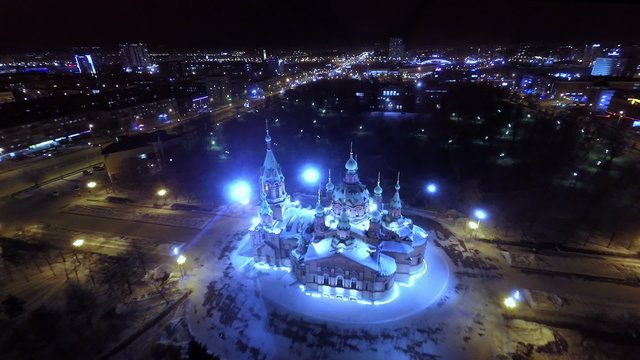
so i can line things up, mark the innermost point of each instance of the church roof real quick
(360, 252)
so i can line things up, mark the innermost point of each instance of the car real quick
(55, 193)
(87, 172)
(98, 168)
(76, 187)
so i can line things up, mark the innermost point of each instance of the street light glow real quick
(91, 184)
(240, 191)
(162, 192)
(181, 260)
(310, 175)
(78, 242)
(432, 188)
(510, 302)
(473, 225)
(480, 214)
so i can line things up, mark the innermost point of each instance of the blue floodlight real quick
(310, 175)
(432, 188)
(480, 214)
(516, 295)
(240, 191)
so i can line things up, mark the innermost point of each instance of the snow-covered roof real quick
(360, 252)
(395, 246)
(419, 236)
(296, 221)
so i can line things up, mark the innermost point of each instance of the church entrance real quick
(339, 282)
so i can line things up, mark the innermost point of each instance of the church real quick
(352, 246)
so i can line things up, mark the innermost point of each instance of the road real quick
(20, 177)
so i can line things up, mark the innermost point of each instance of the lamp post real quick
(181, 260)
(479, 214)
(77, 244)
(91, 185)
(432, 192)
(162, 193)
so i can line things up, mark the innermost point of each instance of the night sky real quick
(213, 24)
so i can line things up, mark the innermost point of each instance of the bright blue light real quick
(480, 214)
(432, 188)
(310, 175)
(240, 191)
(516, 295)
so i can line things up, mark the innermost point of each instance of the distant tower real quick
(343, 224)
(134, 56)
(330, 188)
(396, 48)
(377, 195)
(272, 181)
(395, 210)
(318, 222)
(85, 64)
(265, 212)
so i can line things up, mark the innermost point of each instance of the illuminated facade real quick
(348, 247)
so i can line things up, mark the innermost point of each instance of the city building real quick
(135, 158)
(85, 64)
(396, 48)
(391, 98)
(608, 66)
(135, 57)
(352, 245)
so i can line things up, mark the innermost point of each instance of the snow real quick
(424, 289)
(395, 246)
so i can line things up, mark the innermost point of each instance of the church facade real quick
(352, 245)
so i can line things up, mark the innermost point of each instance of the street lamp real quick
(78, 243)
(432, 188)
(310, 175)
(240, 191)
(479, 215)
(91, 184)
(181, 260)
(509, 302)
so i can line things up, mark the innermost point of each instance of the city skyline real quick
(285, 25)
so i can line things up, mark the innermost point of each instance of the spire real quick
(352, 164)
(378, 189)
(267, 138)
(396, 203)
(329, 185)
(319, 208)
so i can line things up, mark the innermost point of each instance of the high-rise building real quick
(134, 56)
(591, 52)
(608, 66)
(85, 64)
(396, 48)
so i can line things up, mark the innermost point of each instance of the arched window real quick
(354, 283)
(339, 281)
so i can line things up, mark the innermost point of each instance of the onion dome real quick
(376, 217)
(330, 185)
(378, 190)
(352, 164)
